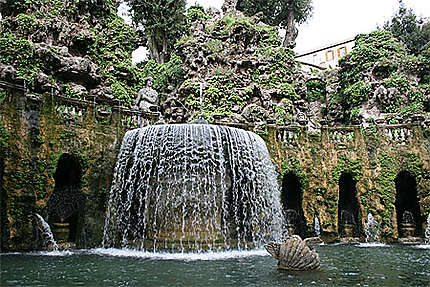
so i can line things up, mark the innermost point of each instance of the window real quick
(341, 52)
(329, 55)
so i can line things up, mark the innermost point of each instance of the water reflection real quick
(342, 265)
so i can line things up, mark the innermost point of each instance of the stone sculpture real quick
(147, 99)
(294, 254)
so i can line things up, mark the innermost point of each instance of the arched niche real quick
(292, 199)
(409, 219)
(348, 208)
(66, 205)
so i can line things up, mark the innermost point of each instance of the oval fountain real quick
(193, 187)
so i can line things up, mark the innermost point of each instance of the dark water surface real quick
(342, 265)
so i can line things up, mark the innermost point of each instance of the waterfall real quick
(47, 236)
(193, 187)
(371, 229)
(317, 228)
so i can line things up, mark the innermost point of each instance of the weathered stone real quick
(147, 98)
(7, 72)
(254, 113)
(80, 70)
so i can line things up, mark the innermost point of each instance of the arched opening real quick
(67, 203)
(409, 219)
(292, 197)
(348, 209)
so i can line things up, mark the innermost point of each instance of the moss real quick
(4, 145)
(219, 97)
(316, 90)
(195, 13)
(20, 54)
(165, 75)
(284, 112)
(292, 164)
(347, 165)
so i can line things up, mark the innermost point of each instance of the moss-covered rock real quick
(53, 44)
(378, 79)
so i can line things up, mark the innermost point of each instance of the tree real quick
(282, 13)
(163, 22)
(408, 28)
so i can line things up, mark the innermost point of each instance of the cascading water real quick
(317, 228)
(371, 229)
(193, 187)
(47, 236)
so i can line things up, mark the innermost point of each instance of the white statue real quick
(147, 99)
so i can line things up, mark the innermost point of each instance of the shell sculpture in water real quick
(294, 254)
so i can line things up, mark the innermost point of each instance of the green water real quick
(342, 265)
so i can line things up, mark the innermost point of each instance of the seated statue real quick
(147, 98)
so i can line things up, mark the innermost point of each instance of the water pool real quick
(342, 265)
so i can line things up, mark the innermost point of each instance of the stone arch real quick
(292, 204)
(349, 217)
(66, 205)
(409, 218)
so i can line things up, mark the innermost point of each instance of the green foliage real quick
(409, 29)
(219, 98)
(165, 75)
(20, 54)
(4, 146)
(347, 165)
(390, 166)
(195, 13)
(292, 164)
(284, 112)
(275, 12)
(216, 46)
(398, 82)
(163, 23)
(356, 93)
(280, 74)
(316, 90)
(384, 69)
(70, 92)
(109, 45)
(387, 59)
(369, 49)
(25, 21)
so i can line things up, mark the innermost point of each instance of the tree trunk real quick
(291, 30)
(164, 48)
(155, 53)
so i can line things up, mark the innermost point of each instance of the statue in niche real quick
(147, 99)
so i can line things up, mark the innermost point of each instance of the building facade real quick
(327, 56)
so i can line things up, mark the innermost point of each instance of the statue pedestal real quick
(61, 231)
(407, 230)
(348, 230)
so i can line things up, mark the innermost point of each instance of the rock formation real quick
(77, 49)
(246, 76)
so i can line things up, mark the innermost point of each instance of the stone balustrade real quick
(78, 111)
(398, 133)
(341, 136)
(288, 135)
